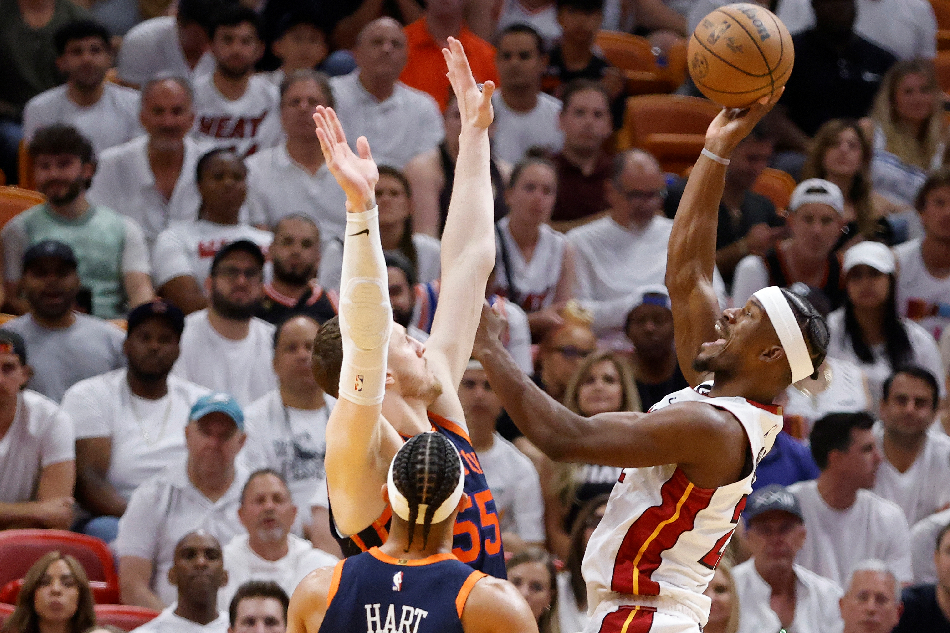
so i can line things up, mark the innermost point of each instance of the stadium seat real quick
(634, 56)
(19, 549)
(942, 68)
(123, 616)
(942, 13)
(5, 611)
(13, 200)
(25, 167)
(671, 127)
(777, 186)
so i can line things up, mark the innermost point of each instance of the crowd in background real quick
(163, 301)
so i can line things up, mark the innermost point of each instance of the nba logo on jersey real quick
(358, 385)
(397, 581)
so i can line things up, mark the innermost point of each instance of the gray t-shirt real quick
(61, 358)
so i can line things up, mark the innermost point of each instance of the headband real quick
(400, 505)
(789, 333)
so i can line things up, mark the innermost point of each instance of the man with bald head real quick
(198, 573)
(152, 177)
(399, 122)
(872, 602)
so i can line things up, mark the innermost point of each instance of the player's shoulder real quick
(493, 601)
(315, 587)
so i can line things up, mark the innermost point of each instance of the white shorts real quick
(642, 619)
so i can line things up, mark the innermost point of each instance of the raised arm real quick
(693, 435)
(468, 241)
(691, 258)
(360, 442)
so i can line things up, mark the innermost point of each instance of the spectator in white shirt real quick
(268, 551)
(774, 592)
(239, 345)
(176, 45)
(846, 522)
(287, 427)
(151, 179)
(872, 602)
(525, 117)
(37, 460)
(184, 251)
(234, 107)
(399, 122)
(130, 422)
(197, 573)
(104, 112)
(292, 178)
(202, 492)
(915, 471)
(258, 607)
(511, 476)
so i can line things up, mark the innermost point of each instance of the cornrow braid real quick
(426, 471)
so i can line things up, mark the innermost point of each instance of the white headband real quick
(789, 334)
(400, 505)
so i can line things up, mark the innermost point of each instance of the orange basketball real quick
(740, 53)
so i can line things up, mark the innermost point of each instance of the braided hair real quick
(426, 471)
(813, 326)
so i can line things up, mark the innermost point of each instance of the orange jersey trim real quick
(379, 555)
(466, 589)
(335, 581)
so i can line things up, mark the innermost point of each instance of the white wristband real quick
(713, 157)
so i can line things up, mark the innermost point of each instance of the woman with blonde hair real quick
(908, 130)
(534, 574)
(55, 598)
(724, 606)
(841, 153)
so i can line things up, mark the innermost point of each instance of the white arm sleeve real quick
(365, 313)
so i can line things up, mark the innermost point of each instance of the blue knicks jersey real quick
(376, 593)
(477, 540)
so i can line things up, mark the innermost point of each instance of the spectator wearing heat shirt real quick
(235, 108)
(104, 112)
(184, 251)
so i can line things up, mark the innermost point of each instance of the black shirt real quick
(315, 302)
(827, 85)
(921, 612)
(651, 394)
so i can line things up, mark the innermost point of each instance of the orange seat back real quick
(13, 200)
(671, 127)
(777, 186)
(25, 167)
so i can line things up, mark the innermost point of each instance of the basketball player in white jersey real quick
(689, 462)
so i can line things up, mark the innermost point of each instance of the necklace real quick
(814, 388)
(144, 425)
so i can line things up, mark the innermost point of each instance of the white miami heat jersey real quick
(535, 281)
(661, 537)
(246, 125)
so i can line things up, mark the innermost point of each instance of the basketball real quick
(740, 53)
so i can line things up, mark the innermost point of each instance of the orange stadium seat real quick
(25, 167)
(19, 549)
(634, 56)
(777, 186)
(943, 40)
(123, 616)
(671, 127)
(13, 200)
(942, 68)
(942, 12)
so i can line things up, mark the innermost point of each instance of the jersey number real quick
(488, 519)
(711, 559)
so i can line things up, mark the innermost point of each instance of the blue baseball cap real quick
(218, 403)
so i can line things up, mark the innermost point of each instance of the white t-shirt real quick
(847, 392)
(517, 132)
(188, 248)
(543, 20)
(167, 507)
(277, 187)
(151, 48)
(570, 616)
(146, 435)
(816, 602)
(535, 280)
(923, 544)
(110, 121)
(428, 261)
(915, 283)
(243, 564)
(516, 488)
(838, 540)
(925, 487)
(168, 622)
(923, 347)
(41, 435)
(906, 28)
(247, 124)
(398, 129)
(290, 441)
(241, 368)
(124, 181)
(895, 179)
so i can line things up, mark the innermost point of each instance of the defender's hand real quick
(491, 328)
(357, 175)
(474, 102)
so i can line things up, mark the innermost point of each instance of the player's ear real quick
(390, 379)
(384, 493)
(772, 353)
(465, 500)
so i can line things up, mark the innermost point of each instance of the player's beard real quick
(75, 188)
(425, 387)
(235, 72)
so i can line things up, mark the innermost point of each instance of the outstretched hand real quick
(474, 101)
(491, 328)
(357, 175)
(733, 124)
